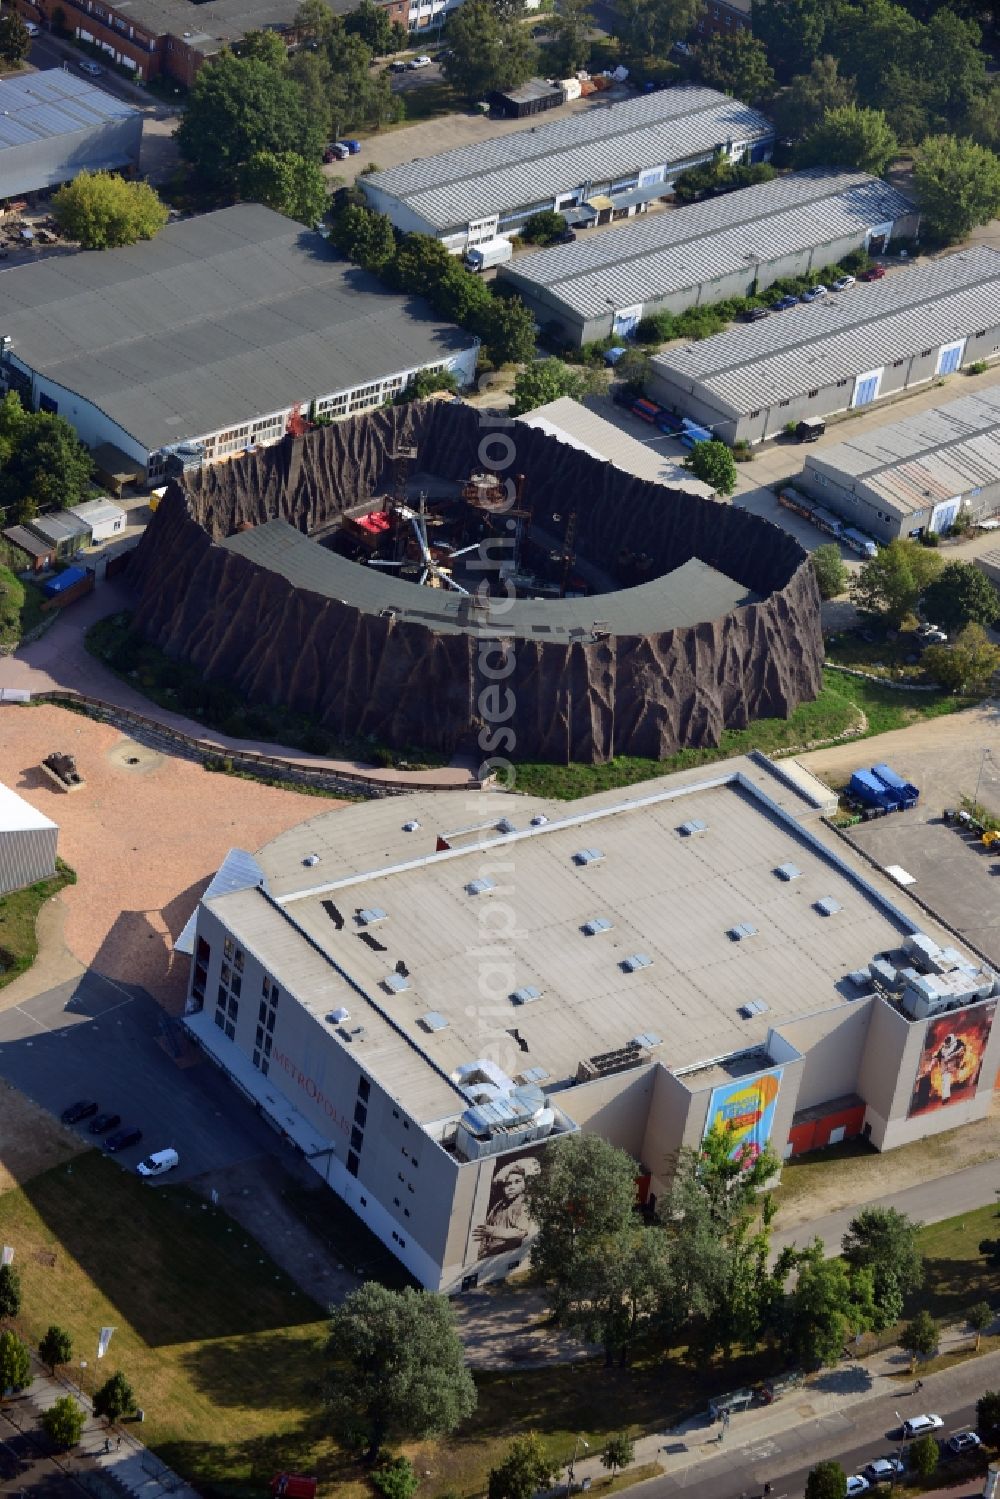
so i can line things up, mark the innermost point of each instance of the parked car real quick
(873, 273)
(92, 69)
(814, 293)
(932, 635)
(884, 1469)
(843, 282)
(783, 303)
(918, 1426)
(963, 1441)
(398, 67)
(567, 237)
(755, 314)
(856, 1484)
(77, 1112)
(336, 151)
(122, 1139)
(32, 28)
(103, 1122)
(159, 1162)
(419, 62)
(353, 146)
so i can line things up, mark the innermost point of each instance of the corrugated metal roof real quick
(934, 455)
(751, 366)
(39, 106)
(93, 512)
(643, 259)
(220, 318)
(602, 144)
(239, 870)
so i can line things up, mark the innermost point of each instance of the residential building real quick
(625, 152)
(214, 337)
(53, 126)
(694, 954)
(915, 476)
(736, 245)
(723, 17)
(867, 344)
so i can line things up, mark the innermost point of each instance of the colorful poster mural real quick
(744, 1110)
(952, 1058)
(507, 1225)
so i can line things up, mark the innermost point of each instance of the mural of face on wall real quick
(507, 1224)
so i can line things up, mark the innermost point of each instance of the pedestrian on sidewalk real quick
(107, 1444)
(118, 1445)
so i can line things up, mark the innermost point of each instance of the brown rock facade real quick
(404, 682)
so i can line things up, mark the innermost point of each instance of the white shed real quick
(104, 517)
(27, 842)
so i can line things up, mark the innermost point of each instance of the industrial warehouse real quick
(915, 476)
(53, 126)
(623, 155)
(733, 246)
(867, 343)
(214, 337)
(422, 1010)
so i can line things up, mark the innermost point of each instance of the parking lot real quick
(95, 1039)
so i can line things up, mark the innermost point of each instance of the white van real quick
(491, 252)
(158, 1162)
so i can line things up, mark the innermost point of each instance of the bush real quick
(10, 1292)
(56, 1347)
(977, 367)
(924, 1456)
(831, 574)
(115, 1398)
(396, 1479)
(657, 328)
(544, 227)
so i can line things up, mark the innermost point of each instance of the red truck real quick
(293, 1486)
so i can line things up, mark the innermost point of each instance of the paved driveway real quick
(94, 1038)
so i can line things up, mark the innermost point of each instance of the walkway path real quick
(60, 659)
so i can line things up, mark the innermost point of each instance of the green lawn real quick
(957, 1274)
(18, 915)
(833, 712)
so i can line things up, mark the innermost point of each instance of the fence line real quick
(353, 783)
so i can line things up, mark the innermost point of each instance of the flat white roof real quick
(95, 511)
(18, 815)
(571, 422)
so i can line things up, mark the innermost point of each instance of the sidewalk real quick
(828, 1395)
(119, 1456)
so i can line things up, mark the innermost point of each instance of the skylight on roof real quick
(526, 995)
(433, 1021)
(481, 886)
(635, 961)
(741, 932)
(587, 856)
(692, 826)
(595, 925)
(828, 906)
(788, 872)
(371, 915)
(396, 983)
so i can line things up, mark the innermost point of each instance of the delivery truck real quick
(490, 253)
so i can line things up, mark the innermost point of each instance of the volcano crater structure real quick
(425, 575)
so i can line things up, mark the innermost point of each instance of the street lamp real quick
(571, 1471)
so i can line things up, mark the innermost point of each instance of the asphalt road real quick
(863, 1433)
(94, 1039)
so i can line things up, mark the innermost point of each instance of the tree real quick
(891, 584)
(506, 327)
(826, 1481)
(288, 183)
(831, 574)
(63, 1422)
(543, 227)
(425, 382)
(924, 1455)
(713, 464)
(419, 265)
(828, 1304)
(571, 26)
(487, 51)
(988, 1416)
(792, 32)
(812, 95)
(15, 1363)
(364, 236)
(102, 211)
(979, 1317)
(736, 62)
(43, 464)
(619, 1452)
(524, 1470)
(399, 1366)
(884, 1241)
(966, 666)
(961, 595)
(14, 39)
(958, 185)
(649, 28)
(546, 380)
(239, 106)
(315, 22)
(849, 137)
(632, 370)
(266, 46)
(396, 1479)
(56, 1347)
(10, 1292)
(920, 1336)
(114, 1399)
(372, 24)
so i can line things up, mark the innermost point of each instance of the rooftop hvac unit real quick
(588, 856)
(827, 906)
(533, 1075)
(596, 925)
(742, 932)
(788, 872)
(395, 983)
(481, 886)
(338, 1017)
(526, 995)
(690, 828)
(371, 916)
(433, 1021)
(886, 974)
(506, 826)
(753, 1007)
(635, 961)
